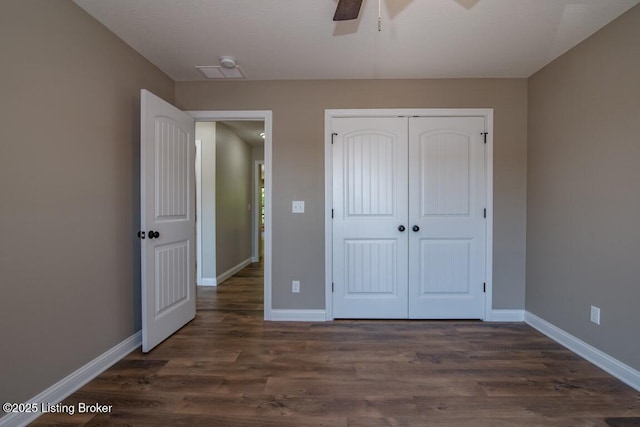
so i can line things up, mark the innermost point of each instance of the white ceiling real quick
(297, 39)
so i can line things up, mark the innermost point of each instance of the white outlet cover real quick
(297, 206)
(595, 315)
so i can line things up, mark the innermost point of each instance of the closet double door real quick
(409, 217)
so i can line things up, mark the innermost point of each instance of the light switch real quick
(297, 206)
(595, 315)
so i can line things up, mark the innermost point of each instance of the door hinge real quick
(484, 213)
(331, 286)
(484, 134)
(331, 213)
(484, 287)
(332, 136)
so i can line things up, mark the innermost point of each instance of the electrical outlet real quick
(297, 206)
(595, 315)
(295, 286)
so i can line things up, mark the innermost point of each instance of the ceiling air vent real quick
(228, 69)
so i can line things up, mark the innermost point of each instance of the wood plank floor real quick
(229, 368)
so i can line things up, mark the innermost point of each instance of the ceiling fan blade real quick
(347, 10)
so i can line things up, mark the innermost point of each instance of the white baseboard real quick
(233, 270)
(74, 381)
(500, 315)
(208, 281)
(623, 372)
(298, 316)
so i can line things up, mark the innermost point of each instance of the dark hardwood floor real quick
(230, 368)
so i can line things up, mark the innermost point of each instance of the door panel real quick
(444, 160)
(444, 266)
(370, 166)
(171, 283)
(370, 203)
(171, 170)
(446, 202)
(167, 182)
(371, 266)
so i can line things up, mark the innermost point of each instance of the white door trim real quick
(211, 260)
(198, 170)
(330, 114)
(266, 116)
(256, 210)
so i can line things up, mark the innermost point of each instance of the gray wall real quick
(69, 191)
(233, 196)
(206, 133)
(298, 165)
(583, 223)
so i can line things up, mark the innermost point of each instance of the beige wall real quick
(298, 165)
(69, 191)
(583, 194)
(233, 196)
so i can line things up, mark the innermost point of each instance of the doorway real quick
(255, 211)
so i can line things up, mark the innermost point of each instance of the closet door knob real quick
(154, 234)
(416, 228)
(401, 228)
(140, 234)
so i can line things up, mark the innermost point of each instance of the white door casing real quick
(370, 204)
(198, 172)
(257, 229)
(449, 198)
(167, 181)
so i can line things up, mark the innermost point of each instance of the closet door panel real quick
(370, 253)
(446, 215)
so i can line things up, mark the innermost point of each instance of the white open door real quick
(167, 181)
